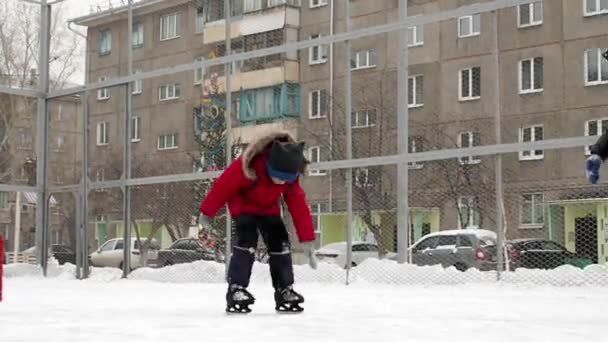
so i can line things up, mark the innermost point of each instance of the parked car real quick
(110, 254)
(336, 253)
(462, 249)
(184, 251)
(542, 254)
(64, 254)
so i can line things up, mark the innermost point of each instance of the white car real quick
(336, 253)
(110, 254)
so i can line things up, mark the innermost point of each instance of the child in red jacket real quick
(253, 186)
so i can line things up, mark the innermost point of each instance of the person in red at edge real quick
(253, 185)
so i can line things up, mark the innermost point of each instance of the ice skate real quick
(288, 301)
(238, 300)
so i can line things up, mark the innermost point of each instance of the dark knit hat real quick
(286, 160)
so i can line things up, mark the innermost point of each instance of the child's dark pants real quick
(276, 239)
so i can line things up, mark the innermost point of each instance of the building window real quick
(317, 211)
(252, 5)
(532, 213)
(198, 72)
(469, 26)
(314, 155)
(317, 3)
(415, 145)
(363, 60)
(470, 84)
(317, 104)
(170, 26)
(102, 133)
(595, 7)
(468, 212)
(137, 85)
(269, 103)
(595, 128)
(4, 200)
(531, 75)
(531, 134)
(167, 142)
(60, 142)
(169, 92)
(103, 93)
(364, 177)
(138, 35)
(596, 67)
(363, 119)
(468, 140)
(415, 91)
(105, 42)
(135, 129)
(317, 54)
(199, 20)
(530, 14)
(415, 36)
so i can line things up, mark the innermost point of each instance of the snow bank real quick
(371, 271)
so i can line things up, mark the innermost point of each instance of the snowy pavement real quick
(58, 309)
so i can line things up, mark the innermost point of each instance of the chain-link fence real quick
(447, 139)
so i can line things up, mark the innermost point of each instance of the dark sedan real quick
(542, 254)
(184, 251)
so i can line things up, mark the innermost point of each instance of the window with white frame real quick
(314, 155)
(317, 104)
(596, 67)
(415, 145)
(595, 7)
(4, 200)
(415, 36)
(531, 134)
(199, 25)
(198, 72)
(530, 14)
(468, 140)
(105, 42)
(415, 96)
(468, 212)
(170, 26)
(362, 178)
(60, 142)
(595, 128)
(364, 118)
(103, 93)
(138, 35)
(317, 211)
(363, 60)
(102, 133)
(317, 54)
(531, 75)
(135, 129)
(317, 3)
(469, 84)
(169, 92)
(469, 26)
(532, 213)
(137, 86)
(167, 141)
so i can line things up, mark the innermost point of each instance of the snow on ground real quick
(385, 302)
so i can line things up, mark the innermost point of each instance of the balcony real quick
(263, 75)
(269, 104)
(254, 21)
(246, 134)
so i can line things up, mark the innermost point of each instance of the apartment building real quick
(552, 81)
(174, 113)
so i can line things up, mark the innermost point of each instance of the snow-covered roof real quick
(479, 233)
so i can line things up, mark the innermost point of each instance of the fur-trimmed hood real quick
(259, 145)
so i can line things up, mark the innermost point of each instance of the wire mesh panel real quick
(105, 234)
(65, 142)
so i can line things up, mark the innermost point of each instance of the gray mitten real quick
(309, 251)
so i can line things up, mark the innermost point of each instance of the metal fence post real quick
(42, 139)
(228, 119)
(126, 189)
(498, 157)
(349, 147)
(403, 229)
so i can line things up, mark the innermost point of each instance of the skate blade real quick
(289, 310)
(238, 310)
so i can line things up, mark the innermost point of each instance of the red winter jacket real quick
(247, 189)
